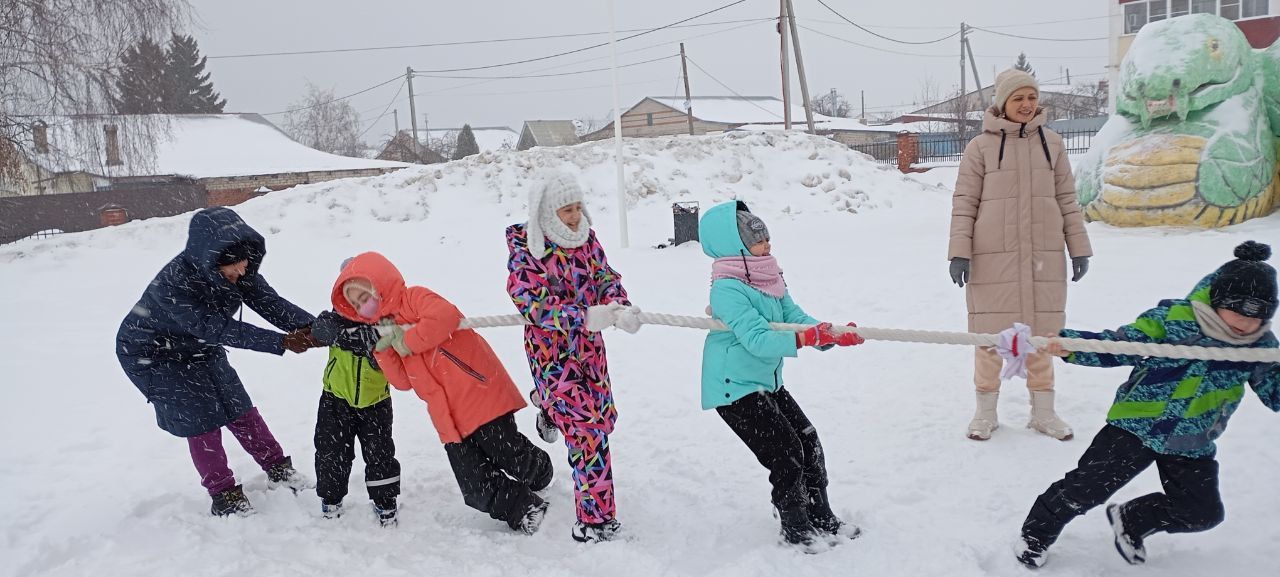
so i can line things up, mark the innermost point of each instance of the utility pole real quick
(413, 112)
(396, 114)
(963, 124)
(804, 84)
(786, 69)
(977, 82)
(688, 100)
(863, 94)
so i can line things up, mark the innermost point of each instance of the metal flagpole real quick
(617, 135)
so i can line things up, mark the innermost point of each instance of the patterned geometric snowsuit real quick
(567, 361)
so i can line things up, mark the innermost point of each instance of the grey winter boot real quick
(984, 417)
(1044, 420)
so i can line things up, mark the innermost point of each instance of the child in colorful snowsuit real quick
(172, 346)
(356, 403)
(470, 397)
(1169, 412)
(562, 284)
(742, 371)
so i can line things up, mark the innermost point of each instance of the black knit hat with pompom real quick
(1247, 285)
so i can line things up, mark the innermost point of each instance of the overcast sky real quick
(742, 55)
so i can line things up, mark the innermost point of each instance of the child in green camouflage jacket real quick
(1169, 412)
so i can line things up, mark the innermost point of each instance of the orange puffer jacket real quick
(452, 369)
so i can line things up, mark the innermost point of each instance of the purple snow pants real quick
(211, 460)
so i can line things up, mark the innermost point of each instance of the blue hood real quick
(718, 230)
(214, 230)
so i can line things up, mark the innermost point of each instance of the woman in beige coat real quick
(1013, 214)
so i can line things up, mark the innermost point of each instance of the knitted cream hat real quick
(1009, 82)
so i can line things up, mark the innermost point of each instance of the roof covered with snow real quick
(763, 113)
(191, 145)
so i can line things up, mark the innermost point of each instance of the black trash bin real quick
(685, 217)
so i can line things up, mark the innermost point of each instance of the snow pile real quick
(91, 486)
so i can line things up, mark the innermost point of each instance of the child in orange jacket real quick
(470, 397)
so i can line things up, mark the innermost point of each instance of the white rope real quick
(943, 338)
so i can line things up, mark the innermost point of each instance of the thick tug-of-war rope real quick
(944, 338)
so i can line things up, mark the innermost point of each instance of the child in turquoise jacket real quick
(1168, 413)
(742, 370)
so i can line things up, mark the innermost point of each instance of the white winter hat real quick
(558, 189)
(1010, 81)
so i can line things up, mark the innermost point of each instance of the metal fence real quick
(885, 151)
(949, 146)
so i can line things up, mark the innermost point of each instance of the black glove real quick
(1079, 266)
(960, 271)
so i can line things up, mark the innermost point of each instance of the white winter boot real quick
(984, 418)
(1043, 418)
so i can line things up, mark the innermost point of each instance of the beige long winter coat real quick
(1013, 213)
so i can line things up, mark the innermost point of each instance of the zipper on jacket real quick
(1045, 145)
(328, 372)
(461, 365)
(1000, 161)
(359, 364)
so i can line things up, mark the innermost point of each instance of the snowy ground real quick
(91, 486)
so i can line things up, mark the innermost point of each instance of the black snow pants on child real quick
(781, 437)
(338, 425)
(498, 469)
(1189, 503)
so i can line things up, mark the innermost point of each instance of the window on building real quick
(648, 119)
(1229, 9)
(1253, 8)
(1204, 6)
(1179, 8)
(1157, 10)
(1135, 15)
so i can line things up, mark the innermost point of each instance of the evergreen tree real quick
(140, 88)
(467, 145)
(1023, 64)
(186, 84)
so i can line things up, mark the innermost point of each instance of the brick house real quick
(87, 170)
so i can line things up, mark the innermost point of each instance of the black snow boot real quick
(231, 502)
(797, 530)
(825, 520)
(283, 473)
(387, 511)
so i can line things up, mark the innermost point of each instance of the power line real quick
(876, 48)
(584, 48)
(878, 35)
(1050, 22)
(650, 47)
(735, 92)
(1020, 25)
(1035, 37)
(467, 42)
(384, 111)
(319, 104)
(518, 76)
(870, 47)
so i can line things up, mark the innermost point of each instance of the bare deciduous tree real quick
(323, 122)
(60, 58)
(832, 104)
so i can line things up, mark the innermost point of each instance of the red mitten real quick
(850, 338)
(823, 335)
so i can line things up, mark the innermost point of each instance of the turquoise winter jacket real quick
(748, 357)
(1179, 406)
